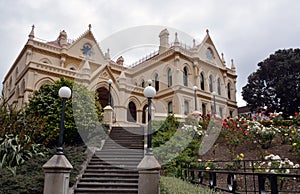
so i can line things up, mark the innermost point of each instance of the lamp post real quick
(149, 92)
(109, 86)
(195, 96)
(215, 108)
(65, 93)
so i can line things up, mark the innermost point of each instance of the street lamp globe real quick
(64, 92)
(195, 88)
(149, 92)
(109, 81)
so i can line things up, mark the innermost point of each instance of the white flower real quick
(276, 157)
(296, 166)
(272, 171)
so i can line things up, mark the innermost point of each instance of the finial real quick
(194, 43)
(223, 60)
(31, 35)
(176, 42)
(232, 65)
(90, 27)
(207, 31)
(107, 55)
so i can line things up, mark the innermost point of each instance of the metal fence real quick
(245, 179)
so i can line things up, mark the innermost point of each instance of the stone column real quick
(149, 175)
(57, 175)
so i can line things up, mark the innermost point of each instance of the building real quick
(174, 69)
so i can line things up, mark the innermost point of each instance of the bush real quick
(170, 185)
(29, 178)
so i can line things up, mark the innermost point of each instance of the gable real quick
(86, 46)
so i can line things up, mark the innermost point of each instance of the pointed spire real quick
(223, 59)
(232, 65)
(86, 66)
(194, 43)
(176, 42)
(90, 27)
(107, 55)
(31, 35)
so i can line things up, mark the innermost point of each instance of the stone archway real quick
(131, 112)
(103, 97)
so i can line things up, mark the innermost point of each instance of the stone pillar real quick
(108, 115)
(57, 175)
(148, 175)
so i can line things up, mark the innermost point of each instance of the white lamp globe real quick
(109, 81)
(214, 93)
(149, 81)
(195, 88)
(64, 92)
(149, 92)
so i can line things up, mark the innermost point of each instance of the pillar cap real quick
(149, 162)
(58, 162)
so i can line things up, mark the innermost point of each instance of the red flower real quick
(245, 132)
(240, 129)
(296, 113)
(227, 126)
(234, 130)
(234, 124)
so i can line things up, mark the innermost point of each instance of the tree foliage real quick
(17, 135)
(82, 115)
(276, 83)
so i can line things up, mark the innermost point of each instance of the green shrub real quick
(171, 185)
(29, 178)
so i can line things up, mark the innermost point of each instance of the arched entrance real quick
(144, 113)
(131, 112)
(103, 97)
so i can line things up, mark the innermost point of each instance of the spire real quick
(107, 55)
(31, 35)
(176, 42)
(194, 43)
(223, 59)
(232, 65)
(90, 27)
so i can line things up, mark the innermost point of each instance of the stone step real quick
(106, 185)
(106, 190)
(110, 179)
(112, 175)
(111, 171)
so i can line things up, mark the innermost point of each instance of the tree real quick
(82, 115)
(276, 83)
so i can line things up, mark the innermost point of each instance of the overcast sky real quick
(247, 31)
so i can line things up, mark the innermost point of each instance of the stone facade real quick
(174, 70)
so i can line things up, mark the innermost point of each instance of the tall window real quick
(143, 84)
(203, 109)
(211, 89)
(221, 112)
(185, 76)
(156, 82)
(228, 90)
(219, 86)
(169, 77)
(186, 107)
(170, 107)
(201, 81)
(231, 113)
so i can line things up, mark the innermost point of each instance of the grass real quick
(29, 178)
(172, 185)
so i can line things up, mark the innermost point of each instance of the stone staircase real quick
(113, 169)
